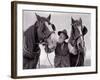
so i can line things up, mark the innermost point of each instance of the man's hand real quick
(72, 49)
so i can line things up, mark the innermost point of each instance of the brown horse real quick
(76, 40)
(36, 34)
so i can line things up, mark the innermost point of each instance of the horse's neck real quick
(36, 35)
(72, 39)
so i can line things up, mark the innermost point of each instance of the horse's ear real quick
(49, 17)
(53, 27)
(84, 31)
(72, 20)
(37, 16)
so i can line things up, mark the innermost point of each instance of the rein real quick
(75, 44)
(49, 60)
(78, 37)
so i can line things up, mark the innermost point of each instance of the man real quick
(62, 51)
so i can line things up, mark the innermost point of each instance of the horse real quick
(41, 32)
(76, 40)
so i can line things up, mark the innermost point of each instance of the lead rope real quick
(78, 54)
(49, 60)
(77, 60)
(39, 62)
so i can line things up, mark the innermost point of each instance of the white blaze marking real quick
(81, 38)
(49, 26)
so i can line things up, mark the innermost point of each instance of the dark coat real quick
(77, 60)
(62, 56)
(31, 50)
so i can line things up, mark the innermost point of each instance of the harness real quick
(75, 44)
(37, 43)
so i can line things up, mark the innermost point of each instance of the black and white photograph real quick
(55, 39)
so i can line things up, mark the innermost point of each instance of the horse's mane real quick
(32, 26)
(32, 30)
(72, 35)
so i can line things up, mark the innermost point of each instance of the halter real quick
(75, 40)
(77, 47)
(29, 52)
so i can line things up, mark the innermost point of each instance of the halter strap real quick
(79, 37)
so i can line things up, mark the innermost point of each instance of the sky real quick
(61, 20)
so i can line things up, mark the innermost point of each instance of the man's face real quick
(62, 38)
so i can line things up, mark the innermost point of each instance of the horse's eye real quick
(49, 23)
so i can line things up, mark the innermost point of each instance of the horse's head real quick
(45, 30)
(78, 32)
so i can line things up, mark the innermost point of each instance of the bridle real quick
(75, 45)
(29, 52)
